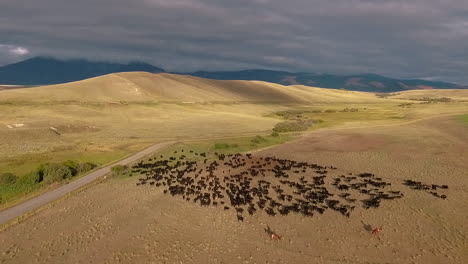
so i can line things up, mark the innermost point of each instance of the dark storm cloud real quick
(417, 38)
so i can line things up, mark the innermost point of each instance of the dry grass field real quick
(107, 118)
(119, 111)
(104, 119)
(114, 115)
(458, 95)
(101, 225)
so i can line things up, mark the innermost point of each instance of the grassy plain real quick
(117, 221)
(460, 95)
(463, 118)
(104, 119)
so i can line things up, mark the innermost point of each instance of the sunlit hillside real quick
(142, 86)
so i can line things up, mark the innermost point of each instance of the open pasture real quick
(159, 227)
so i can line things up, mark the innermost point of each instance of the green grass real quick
(344, 115)
(23, 164)
(463, 118)
(341, 114)
(236, 145)
(23, 186)
(41, 178)
(218, 146)
(121, 171)
(124, 129)
(293, 126)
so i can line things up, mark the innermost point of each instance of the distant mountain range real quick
(358, 82)
(45, 70)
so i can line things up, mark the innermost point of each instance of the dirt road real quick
(36, 202)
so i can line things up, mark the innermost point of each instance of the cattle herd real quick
(247, 183)
(432, 189)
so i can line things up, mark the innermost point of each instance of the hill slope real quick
(453, 94)
(143, 86)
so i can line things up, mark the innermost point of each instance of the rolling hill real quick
(143, 86)
(453, 94)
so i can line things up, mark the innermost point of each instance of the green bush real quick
(85, 167)
(275, 134)
(7, 178)
(56, 172)
(120, 170)
(12, 187)
(441, 99)
(40, 171)
(405, 104)
(330, 111)
(292, 114)
(293, 126)
(221, 146)
(258, 139)
(31, 178)
(225, 146)
(72, 165)
(350, 110)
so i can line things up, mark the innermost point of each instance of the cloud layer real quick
(12, 52)
(418, 38)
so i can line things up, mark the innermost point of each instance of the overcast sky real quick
(397, 38)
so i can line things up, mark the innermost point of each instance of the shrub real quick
(298, 114)
(383, 95)
(258, 139)
(441, 99)
(350, 110)
(7, 178)
(72, 165)
(40, 171)
(31, 178)
(330, 111)
(294, 126)
(119, 170)
(405, 104)
(275, 134)
(56, 172)
(225, 146)
(85, 167)
(221, 146)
